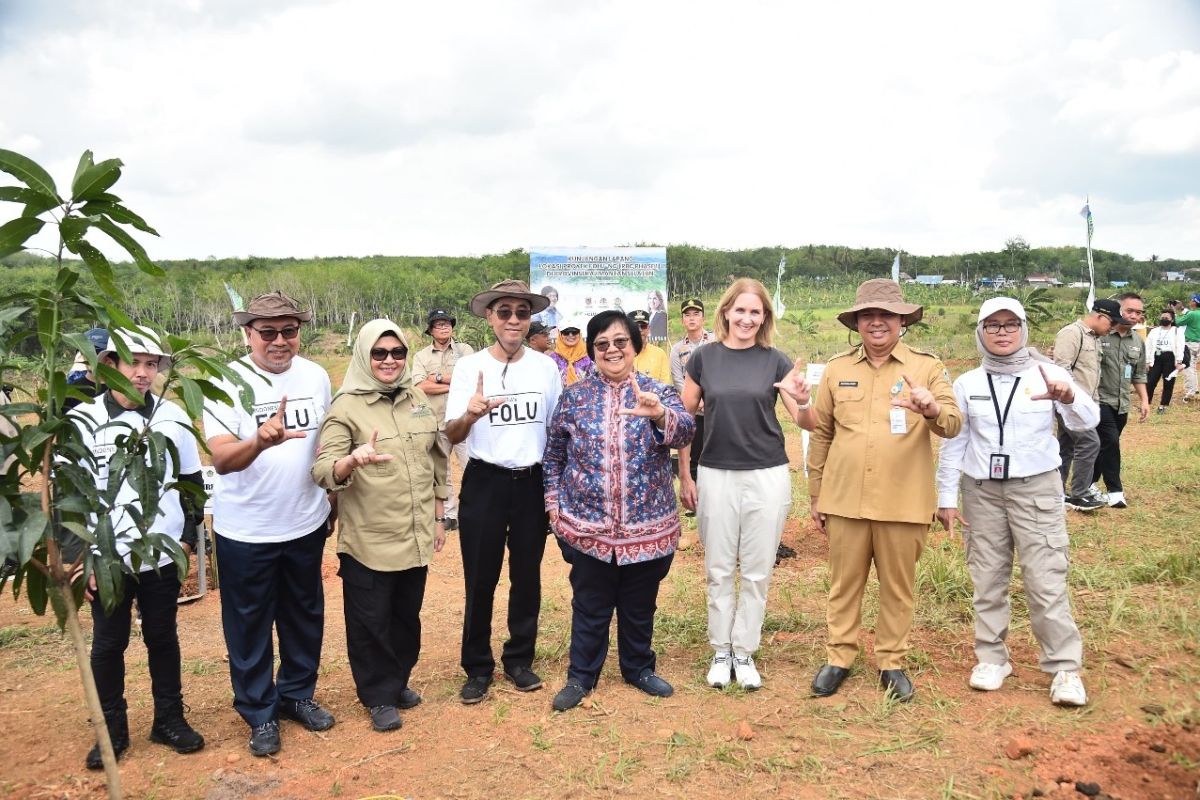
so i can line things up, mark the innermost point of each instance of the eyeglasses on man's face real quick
(1012, 326)
(602, 345)
(270, 334)
(504, 312)
(381, 353)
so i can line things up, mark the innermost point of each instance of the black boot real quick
(118, 731)
(170, 728)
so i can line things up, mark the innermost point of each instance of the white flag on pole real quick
(1086, 213)
(896, 268)
(779, 306)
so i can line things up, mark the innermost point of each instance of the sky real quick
(362, 127)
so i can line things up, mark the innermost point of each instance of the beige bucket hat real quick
(507, 288)
(270, 306)
(881, 293)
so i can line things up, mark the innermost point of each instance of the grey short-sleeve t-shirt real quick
(740, 427)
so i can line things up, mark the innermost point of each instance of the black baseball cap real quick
(639, 317)
(690, 303)
(437, 315)
(1110, 309)
(535, 328)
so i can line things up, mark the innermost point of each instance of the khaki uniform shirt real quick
(1077, 350)
(1122, 364)
(385, 510)
(857, 467)
(429, 362)
(681, 352)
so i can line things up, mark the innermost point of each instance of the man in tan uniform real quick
(432, 368)
(870, 478)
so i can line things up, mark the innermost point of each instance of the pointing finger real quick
(374, 437)
(907, 382)
(479, 383)
(282, 407)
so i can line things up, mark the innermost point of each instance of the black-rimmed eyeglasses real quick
(381, 353)
(602, 346)
(1012, 326)
(270, 334)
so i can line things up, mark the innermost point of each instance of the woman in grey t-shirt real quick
(744, 490)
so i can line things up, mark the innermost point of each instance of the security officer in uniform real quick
(870, 478)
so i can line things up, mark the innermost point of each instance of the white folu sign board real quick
(209, 475)
(813, 374)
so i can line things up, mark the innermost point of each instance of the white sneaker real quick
(989, 677)
(1067, 689)
(746, 673)
(1095, 493)
(1117, 500)
(720, 670)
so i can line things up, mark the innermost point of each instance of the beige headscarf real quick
(359, 377)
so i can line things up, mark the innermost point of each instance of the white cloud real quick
(363, 127)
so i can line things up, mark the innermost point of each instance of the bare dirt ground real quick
(1137, 739)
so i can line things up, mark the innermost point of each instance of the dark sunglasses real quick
(571, 332)
(381, 353)
(270, 334)
(504, 312)
(620, 343)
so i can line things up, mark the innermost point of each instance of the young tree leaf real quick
(28, 172)
(96, 179)
(14, 234)
(35, 202)
(131, 246)
(98, 265)
(35, 591)
(85, 163)
(118, 213)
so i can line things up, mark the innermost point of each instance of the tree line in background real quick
(192, 298)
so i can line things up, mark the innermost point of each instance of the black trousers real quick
(500, 509)
(157, 597)
(697, 446)
(1164, 365)
(383, 628)
(267, 585)
(599, 587)
(1108, 463)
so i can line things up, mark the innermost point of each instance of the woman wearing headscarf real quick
(611, 500)
(744, 489)
(1005, 461)
(571, 354)
(379, 449)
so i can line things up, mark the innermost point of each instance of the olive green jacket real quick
(385, 510)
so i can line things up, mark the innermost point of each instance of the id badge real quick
(1128, 373)
(999, 467)
(899, 421)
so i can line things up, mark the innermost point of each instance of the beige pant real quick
(894, 548)
(741, 515)
(1026, 514)
(450, 507)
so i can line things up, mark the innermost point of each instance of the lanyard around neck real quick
(1002, 418)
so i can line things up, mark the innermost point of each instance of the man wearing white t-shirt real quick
(500, 402)
(271, 522)
(100, 423)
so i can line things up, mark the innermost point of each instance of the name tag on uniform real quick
(899, 421)
(847, 383)
(980, 397)
(1128, 371)
(998, 467)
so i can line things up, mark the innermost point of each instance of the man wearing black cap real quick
(1122, 370)
(692, 310)
(538, 337)
(1076, 350)
(431, 371)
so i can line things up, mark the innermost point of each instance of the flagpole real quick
(779, 306)
(1086, 213)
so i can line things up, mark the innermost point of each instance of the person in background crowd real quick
(80, 376)
(870, 478)
(432, 369)
(651, 360)
(695, 335)
(383, 448)
(538, 337)
(570, 353)
(611, 501)
(1189, 320)
(501, 401)
(1164, 352)
(1005, 462)
(271, 521)
(658, 316)
(1077, 350)
(156, 586)
(1122, 367)
(744, 489)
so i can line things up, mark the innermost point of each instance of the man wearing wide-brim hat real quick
(432, 369)
(271, 521)
(500, 403)
(870, 478)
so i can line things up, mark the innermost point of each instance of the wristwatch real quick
(437, 378)
(439, 519)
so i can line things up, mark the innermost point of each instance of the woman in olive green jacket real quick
(379, 450)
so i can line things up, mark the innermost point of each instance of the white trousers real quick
(741, 515)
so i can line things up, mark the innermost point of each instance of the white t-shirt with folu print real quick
(274, 499)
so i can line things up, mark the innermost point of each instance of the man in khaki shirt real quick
(871, 478)
(431, 371)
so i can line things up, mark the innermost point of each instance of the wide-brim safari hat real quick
(271, 305)
(884, 294)
(509, 288)
(139, 341)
